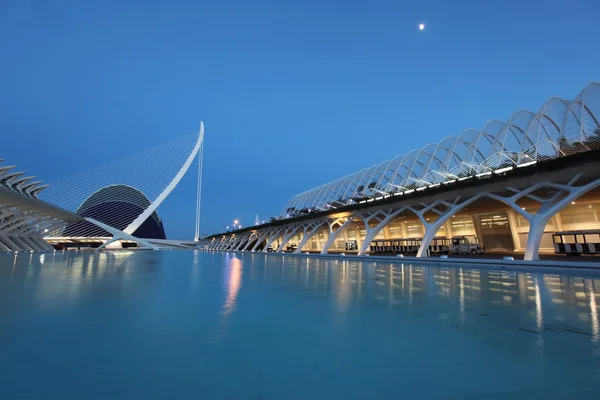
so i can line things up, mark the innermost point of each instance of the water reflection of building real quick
(528, 302)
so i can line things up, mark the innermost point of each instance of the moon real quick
(421, 27)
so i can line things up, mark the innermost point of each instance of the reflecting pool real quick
(183, 324)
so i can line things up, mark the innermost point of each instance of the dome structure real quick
(117, 206)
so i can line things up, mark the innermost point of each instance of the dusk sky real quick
(293, 94)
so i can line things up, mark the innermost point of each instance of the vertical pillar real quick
(359, 240)
(512, 224)
(558, 222)
(478, 230)
(403, 229)
(449, 232)
(386, 232)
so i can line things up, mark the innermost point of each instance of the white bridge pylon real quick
(152, 175)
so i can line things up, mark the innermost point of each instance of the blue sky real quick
(293, 94)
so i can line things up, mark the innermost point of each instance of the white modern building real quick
(509, 186)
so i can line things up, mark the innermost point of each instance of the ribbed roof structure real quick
(560, 128)
(17, 181)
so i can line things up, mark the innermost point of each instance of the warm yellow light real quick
(235, 222)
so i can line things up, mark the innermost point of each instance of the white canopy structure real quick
(560, 127)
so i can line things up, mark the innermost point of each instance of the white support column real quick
(565, 194)
(223, 242)
(478, 231)
(218, 243)
(238, 241)
(449, 228)
(272, 238)
(9, 243)
(308, 231)
(3, 248)
(359, 241)
(388, 216)
(254, 235)
(558, 221)
(34, 246)
(334, 234)
(261, 237)
(431, 228)
(512, 223)
(229, 242)
(287, 235)
(43, 244)
(21, 243)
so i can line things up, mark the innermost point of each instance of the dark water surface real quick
(183, 324)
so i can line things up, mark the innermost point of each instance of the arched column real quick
(308, 231)
(276, 234)
(564, 195)
(227, 242)
(261, 237)
(386, 218)
(34, 246)
(252, 235)
(22, 245)
(431, 228)
(240, 241)
(9, 243)
(333, 234)
(233, 242)
(287, 235)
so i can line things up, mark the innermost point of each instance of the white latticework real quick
(136, 185)
(559, 128)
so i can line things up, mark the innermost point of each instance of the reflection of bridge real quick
(510, 185)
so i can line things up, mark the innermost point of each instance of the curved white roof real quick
(559, 128)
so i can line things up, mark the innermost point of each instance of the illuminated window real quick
(414, 227)
(395, 231)
(462, 225)
(494, 221)
(579, 213)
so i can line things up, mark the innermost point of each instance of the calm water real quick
(215, 326)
